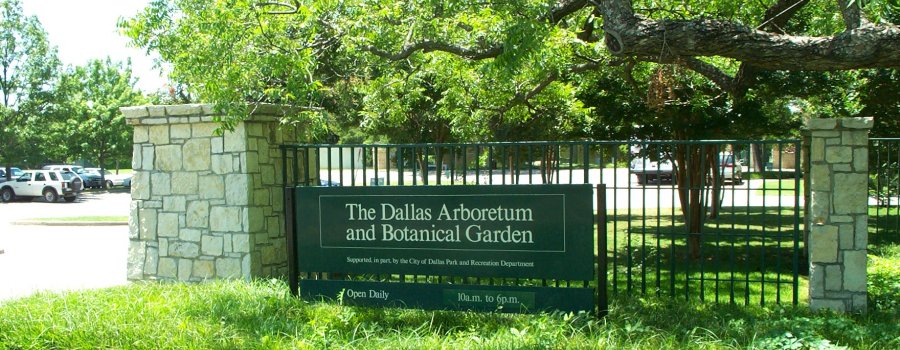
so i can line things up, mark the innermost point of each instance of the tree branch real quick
(559, 13)
(863, 47)
(521, 98)
(587, 28)
(853, 17)
(777, 16)
(563, 10)
(287, 9)
(711, 72)
(428, 46)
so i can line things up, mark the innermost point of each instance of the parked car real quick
(731, 168)
(15, 173)
(111, 179)
(329, 183)
(49, 184)
(90, 180)
(647, 170)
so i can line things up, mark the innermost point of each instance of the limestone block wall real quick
(837, 213)
(205, 205)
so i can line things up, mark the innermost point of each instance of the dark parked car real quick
(90, 180)
(647, 170)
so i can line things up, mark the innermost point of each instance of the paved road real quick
(58, 258)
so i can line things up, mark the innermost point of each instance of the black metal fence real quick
(884, 190)
(705, 220)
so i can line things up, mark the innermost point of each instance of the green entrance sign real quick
(529, 231)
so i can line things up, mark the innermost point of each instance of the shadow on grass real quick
(884, 226)
(746, 255)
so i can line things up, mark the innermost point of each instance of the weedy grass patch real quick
(263, 315)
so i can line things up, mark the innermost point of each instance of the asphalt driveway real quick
(57, 258)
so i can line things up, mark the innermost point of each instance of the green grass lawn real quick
(784, 187)
(746, 255)
(262, 314)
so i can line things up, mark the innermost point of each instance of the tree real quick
(519, 35)
(198, 39)
(493, 67)
(223, 52)
(28, 69)
(89, 115)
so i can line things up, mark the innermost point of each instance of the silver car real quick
(647, 170)
(730, 168)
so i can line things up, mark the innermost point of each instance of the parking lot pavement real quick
(58, 258)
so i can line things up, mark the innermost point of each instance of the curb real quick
(69, 223)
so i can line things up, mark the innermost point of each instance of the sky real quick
(86, 29)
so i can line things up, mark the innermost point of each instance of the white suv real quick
(49, 184)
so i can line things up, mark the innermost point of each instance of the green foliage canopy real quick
(521, 69)
(88, 116)
(28, 70)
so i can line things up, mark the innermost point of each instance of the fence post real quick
(205, 205)
(838, 213)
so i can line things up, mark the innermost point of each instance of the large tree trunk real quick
(548, 165)
(695, 167)
(512, 162)
(422, 164)
(758, 162)
(439, 163)
(102, 160)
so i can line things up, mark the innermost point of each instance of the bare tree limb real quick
(287, 8)
(563, 10)
(863, 47)
(429, 46)
(523, 98)
(711, 72)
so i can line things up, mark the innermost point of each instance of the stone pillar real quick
(206, 205)
(837, 216)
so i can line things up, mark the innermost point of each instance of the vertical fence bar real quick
(530, 166)
(615, 251)
(490, 165)
(627, 238)
(556, 163)
(795, 256)
(658, 267)
(400, 166)
(586, 163)
(477, 165)
(465, 164)
(602, 263)
(893, 179)
(425, 165)
(504, 158)
(874, 146)
(341, 165)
